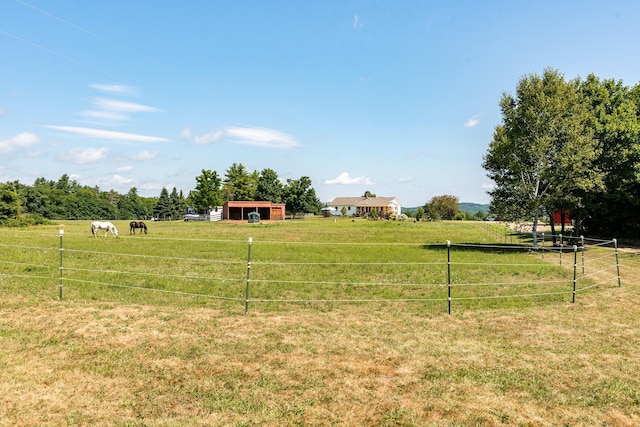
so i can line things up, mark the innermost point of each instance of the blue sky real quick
(396, 97)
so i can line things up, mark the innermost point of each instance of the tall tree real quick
(163, 207)
(208, 192)
(544, 152)
(615, 118)
(300, 197)
(239, 183)
(9, 202)
(443, 207)
(178, 204)
(269, 187)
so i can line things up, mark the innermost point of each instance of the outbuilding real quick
(240, 210)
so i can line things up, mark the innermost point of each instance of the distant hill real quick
(470, 208)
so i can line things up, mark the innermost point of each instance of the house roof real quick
(363, 201)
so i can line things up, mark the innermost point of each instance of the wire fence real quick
(273, 274)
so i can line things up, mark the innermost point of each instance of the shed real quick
(240, 210)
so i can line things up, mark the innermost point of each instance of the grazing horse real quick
(104, 225)
(137, 224)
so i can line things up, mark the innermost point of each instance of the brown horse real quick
(137, 224)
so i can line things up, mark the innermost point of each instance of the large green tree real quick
(163, 209)
(208, 191)
(269, 187)
(443, 207)
(300, 197)
(9, 202)
(178, 204)
(239, 184)
(615, 119)
(543, 153)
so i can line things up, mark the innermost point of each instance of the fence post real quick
(575, 272)
(60, 266)
(449, 276)
(582, 243)
(560, 248)
(246, 292)
(615, 243)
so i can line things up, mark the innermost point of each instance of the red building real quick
(239, 210)
(557, 217)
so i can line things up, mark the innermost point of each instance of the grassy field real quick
(112, 353)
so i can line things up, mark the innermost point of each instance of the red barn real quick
(239, 210)
(557, 216)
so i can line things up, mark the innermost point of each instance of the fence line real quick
(172, 258)
(454, 267)
(141, 288)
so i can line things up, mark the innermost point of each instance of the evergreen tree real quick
(239, 183)
(269, 187)
(162, 211)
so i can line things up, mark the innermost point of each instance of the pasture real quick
(347, 325)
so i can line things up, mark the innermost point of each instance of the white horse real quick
(103, 225)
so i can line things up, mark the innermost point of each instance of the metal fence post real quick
(615, 243)
(60, 266)
(582, 244)
(575, 272)
(542, 246)
(560, 249)
(449, 275)
(246, 292)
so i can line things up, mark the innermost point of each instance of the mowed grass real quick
(112, 355)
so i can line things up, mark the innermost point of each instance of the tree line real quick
(67, 199)
(570, 146)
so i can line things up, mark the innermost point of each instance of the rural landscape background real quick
(122, 348)
(482, 313)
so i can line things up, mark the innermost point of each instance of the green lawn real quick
(112, 352)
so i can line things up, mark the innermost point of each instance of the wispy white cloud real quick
(185, 134)
(261, 137)
(3, 111)
(145, 155)
(345, 179)
(107, 134)
(112, 112)
(209, 138)
(104, 117)
(123, 106)
(255, 136)
(405, 179)
(127, 168)
(83, 156)
(115, 181)
(154, 186)
(22, 140)
(357, 23)
(115, 88)
(473, 121)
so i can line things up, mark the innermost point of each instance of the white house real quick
(363, 206)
